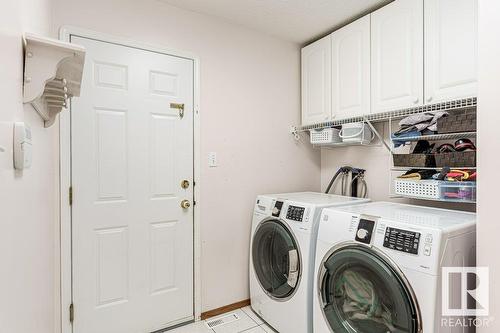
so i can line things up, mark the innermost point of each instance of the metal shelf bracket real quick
(377, 134)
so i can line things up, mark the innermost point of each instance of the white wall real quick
(488, 158)
(250, 94)
(28, 279)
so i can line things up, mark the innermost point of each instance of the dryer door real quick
(361, 291)
(276, 259)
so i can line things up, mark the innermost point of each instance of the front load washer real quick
(378, 267)
(282, 256)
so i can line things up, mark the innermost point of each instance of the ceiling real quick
(298, 21)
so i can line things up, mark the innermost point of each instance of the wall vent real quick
(222, 320)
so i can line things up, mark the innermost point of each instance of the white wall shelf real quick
(429, 168)
(52, 74)
(462, 201)
(437, 137)
(385, 116)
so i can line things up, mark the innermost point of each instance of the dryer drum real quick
(276, 259)
(361, 292)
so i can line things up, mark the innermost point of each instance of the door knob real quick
(185, 184)
(185, 204)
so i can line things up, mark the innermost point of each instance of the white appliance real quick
(378, 267)
(282, 256)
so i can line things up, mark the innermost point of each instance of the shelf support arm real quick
(377, 134)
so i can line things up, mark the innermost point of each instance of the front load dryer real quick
(282, 256)
(379, 267)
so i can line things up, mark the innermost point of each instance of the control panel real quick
(365, 231)
(402, 240)
(295, 213)
(277, 208)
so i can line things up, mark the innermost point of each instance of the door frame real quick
(65, 212)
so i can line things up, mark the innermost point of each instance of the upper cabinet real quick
(450, 49)
(351, 69)
(397, 55)
(316, 82)
(404, 55)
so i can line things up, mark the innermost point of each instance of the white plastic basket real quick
(325, 136)
(356, 133)
(425, 189)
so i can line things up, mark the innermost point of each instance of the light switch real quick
(212, 159)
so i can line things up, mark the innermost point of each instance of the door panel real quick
(316, 82)
(276, 259)
(397, 56)
(351, 70)
(450, 49)
(132, 241)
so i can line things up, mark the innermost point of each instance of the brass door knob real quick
(185, 204)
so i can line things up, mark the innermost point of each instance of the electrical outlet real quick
(212, 159)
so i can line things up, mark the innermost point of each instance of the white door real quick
(397, 55)
(132, 242)
(316, 82)
(351, 69)
(450, 49)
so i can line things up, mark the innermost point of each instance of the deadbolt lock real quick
(185, 183)
(185, 204)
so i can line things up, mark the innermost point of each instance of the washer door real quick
(276, 259)
(362, 292)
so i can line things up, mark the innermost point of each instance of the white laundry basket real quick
(356, 133)
(325, 136)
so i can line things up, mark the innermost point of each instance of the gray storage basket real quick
(414, 160)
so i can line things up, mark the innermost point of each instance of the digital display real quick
(402, 240)
(295, 213)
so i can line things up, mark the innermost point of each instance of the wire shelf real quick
(345, 144)
(429, 199)
(384, 116)
(436, 137)
(430, 168)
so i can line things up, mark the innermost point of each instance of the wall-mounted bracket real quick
(377, 134)
(295, 132)
(53, 73)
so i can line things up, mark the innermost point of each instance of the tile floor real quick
(248, 322)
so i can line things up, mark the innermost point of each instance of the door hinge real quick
(70, 195)
(71, 313)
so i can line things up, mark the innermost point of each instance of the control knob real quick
(362, 234)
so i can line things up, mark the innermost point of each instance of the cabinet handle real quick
(416, 100)
(429, 99)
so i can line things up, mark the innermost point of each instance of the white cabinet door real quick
(316, 82)
(351, 70)
(397, 55)
(132, 243)
(450, 49)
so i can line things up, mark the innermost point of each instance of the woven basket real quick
(414, 160)
(462, 121)
(457, 159)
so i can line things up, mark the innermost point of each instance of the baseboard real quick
(224, 309)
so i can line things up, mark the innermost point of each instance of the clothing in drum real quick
(276, 259)
(361, 292)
